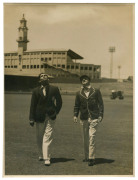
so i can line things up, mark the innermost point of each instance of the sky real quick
(88, 29)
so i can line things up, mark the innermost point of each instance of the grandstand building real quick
(55, 62)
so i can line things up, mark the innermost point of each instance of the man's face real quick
(85, 81)
(44, 79)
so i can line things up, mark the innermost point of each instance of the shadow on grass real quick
(56, 160)
(103, 161)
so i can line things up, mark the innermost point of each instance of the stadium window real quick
(81, 68)
(24, 66)
(31, 67)
(94, 69)
(37, 66)
(63, 66)
(45, 66)
(42, 66)
(15, 66)
(11, 66)
(27, 66)
(42, 59)
(5, 66)
(54, 65)
(50, 59)
(72, 67)
(45, 59)
(63, 53)
(58, 65)
(8, 66)
(77, 67)
(68, 66)
(34, 66)
(86, 68)
(90, 68)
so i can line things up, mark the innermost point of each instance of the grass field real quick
(114, 140)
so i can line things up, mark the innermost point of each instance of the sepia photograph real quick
(69, 89)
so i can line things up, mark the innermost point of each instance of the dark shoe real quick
(85, 160)
(91, 162)
(41, 158)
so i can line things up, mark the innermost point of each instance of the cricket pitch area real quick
(114, 144)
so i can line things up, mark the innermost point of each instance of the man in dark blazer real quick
(46, 103)
(90, 105)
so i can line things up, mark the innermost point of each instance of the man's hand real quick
(75, 119)
(32, 123)
(100, 119)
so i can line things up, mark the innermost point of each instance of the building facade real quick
(54, 62)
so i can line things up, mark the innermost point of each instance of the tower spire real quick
(22, 35)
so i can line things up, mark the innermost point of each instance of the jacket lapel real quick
(92, 91)
(82, 93)
(40, 91)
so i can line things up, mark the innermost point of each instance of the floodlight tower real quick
(111, 50)
(119, 67)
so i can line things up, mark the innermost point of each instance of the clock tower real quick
(22, 36)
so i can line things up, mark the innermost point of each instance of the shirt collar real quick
(88, 87)
(41, 87)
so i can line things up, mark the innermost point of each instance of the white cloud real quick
(59, 13)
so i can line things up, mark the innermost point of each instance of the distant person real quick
(90, 105)
(46, 103)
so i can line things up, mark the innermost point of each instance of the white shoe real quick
(47, 162)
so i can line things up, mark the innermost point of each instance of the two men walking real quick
(46, 103)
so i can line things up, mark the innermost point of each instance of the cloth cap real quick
(84, 76)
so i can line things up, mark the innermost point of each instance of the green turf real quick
(114, 140)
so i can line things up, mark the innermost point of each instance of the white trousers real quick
(89, 129)
(44, 136)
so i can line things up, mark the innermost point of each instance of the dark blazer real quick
(42, 105)
(91, 106)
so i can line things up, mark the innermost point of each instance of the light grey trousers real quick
(44, 136)
(89, 129)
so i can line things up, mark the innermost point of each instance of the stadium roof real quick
(70, 53)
